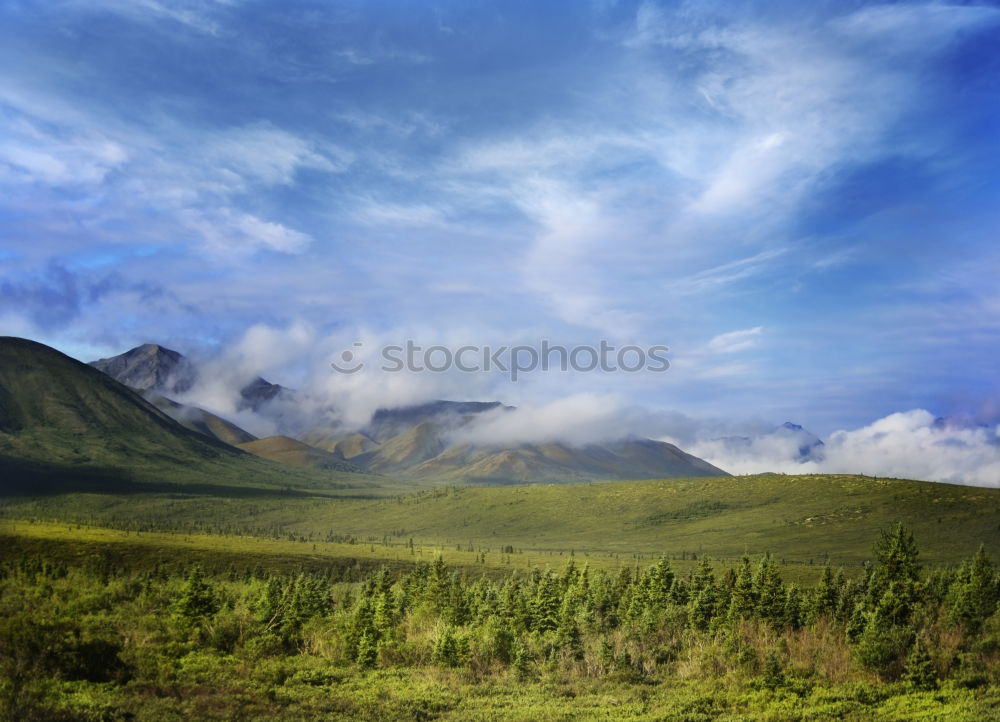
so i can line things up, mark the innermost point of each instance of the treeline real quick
(104, 624)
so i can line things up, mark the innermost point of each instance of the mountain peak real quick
(150, 367)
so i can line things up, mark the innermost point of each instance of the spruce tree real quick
(825, 597)
(606, 655)
(919, 671)
(447, 649)
(743, 601)
(197, 599)
(774, 675)
(896, 569)
(522, 662)
(884, 641)
(769, 591)
(367, 654)
(973, 597)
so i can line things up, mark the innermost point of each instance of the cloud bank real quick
(906, 445)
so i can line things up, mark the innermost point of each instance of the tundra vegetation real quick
(99, 636)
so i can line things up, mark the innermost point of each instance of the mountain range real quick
(151, 367)
(413, 441)
(115, 419)
(65, 423)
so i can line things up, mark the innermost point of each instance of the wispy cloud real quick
(735, 340)
(198, 15)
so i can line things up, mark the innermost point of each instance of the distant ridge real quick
(418, 442)
(151, 367)
(386, 423)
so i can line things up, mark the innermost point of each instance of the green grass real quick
(800, 519)
(78, 544)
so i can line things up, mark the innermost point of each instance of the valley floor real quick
(106, 624)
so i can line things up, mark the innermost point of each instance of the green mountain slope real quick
(63, 422)
(197, 419)
(561, 463)
(418, 443)
(335, 441)
(294, 453)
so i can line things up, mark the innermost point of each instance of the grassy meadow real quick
(800, 519)
(617, 600)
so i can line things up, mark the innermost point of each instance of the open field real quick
(800, 519)
(77, 544)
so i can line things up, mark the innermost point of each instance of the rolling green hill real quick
(67, 426)
(798, 518)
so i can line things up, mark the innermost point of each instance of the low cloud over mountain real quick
(911, 444)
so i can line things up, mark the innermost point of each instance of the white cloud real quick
(266, 154)
(194, 179)
(33, 155)
(910, 444)
(906, 445)
(576, 419)
(735, 340)
(232, 234)
(729, 147)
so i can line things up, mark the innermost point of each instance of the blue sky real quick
(800, 199)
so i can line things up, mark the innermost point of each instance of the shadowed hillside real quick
(63, 421)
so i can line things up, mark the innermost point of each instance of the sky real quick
(799, 199)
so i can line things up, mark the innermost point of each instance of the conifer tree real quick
(679, 594)
(742, 600)
(973, 597)
(197, 599)
(769, 591)
(367, 654)
(897, 569)
(447, 649)
(774, 675)
(884, 640)
(546, 604)
(919, 670)
(522, 662)
(702, 606)
(825, 597)
(793, 612)
(606, 655)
